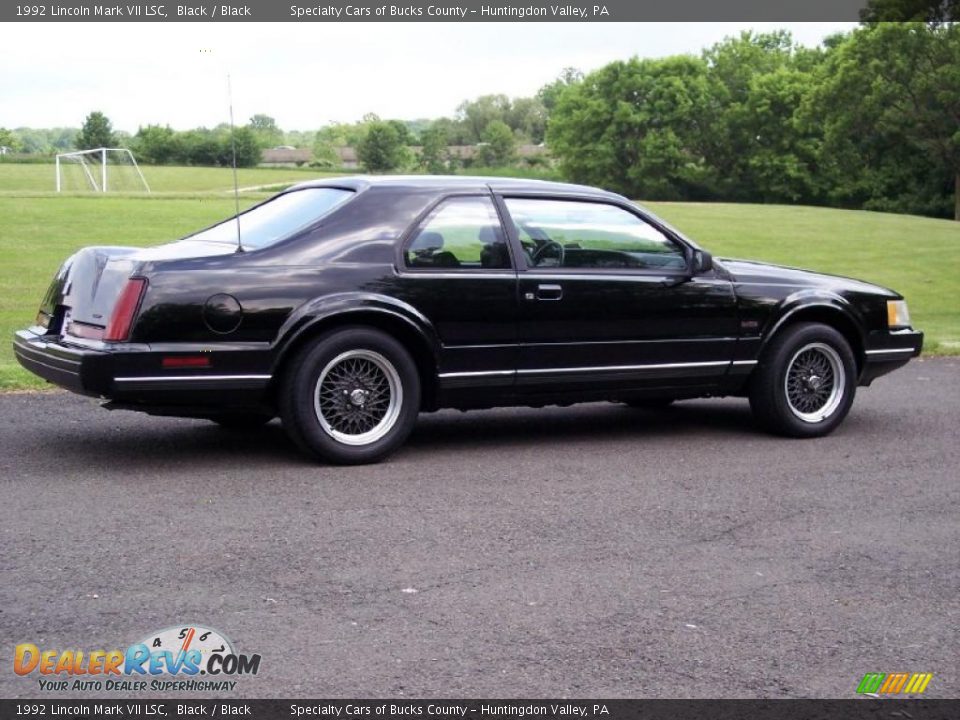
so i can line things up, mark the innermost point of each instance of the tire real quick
(350, 397)
(805, 382)
(242, 420)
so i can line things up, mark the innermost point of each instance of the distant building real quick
(285, 156)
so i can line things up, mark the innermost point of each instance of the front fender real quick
(816, 302)
(314, 312)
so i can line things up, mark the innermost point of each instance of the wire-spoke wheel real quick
(358, 397)
(814, 382)
(351, 396)
(805, 382)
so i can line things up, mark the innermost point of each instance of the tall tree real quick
(477, 114)
(499, 145)
(434, 153)
(896, 84)
(636, 127)
(381, 148)
(265, 129)
(96, 132)
(156, 145)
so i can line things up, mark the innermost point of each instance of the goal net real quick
(100, 170)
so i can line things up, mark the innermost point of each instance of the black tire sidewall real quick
(300, 380)
(768, 398)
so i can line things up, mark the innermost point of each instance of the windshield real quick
(276, 219)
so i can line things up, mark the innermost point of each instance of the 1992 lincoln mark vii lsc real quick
(351, 304)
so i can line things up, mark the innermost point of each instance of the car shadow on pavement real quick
(170, 441)
(581, 423)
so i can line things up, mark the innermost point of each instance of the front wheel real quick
(805, 382)
(350, 397)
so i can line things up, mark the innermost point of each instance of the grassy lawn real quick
(36, 178)
(916, 256)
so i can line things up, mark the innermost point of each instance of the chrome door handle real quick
(549, 292)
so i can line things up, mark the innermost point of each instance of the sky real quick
(306, 75)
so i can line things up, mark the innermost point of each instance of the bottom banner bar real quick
(868, 709)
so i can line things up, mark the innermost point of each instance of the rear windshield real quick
(277, 218)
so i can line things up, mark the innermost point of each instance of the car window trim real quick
(523, 267)
(407, 236)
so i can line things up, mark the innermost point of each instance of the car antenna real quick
(233, 150)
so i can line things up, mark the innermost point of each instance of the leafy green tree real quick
(247, 146)
(199, 147)
(931, 11)
(324, 152)
(477, 114)
(527, 118)
(381, 148)
(8, 139)
(434, 153)
(96, 132)
(550, 93)
(265, 130)
(499, 145)
(636, 127)
(739, 71)
(156, 145)
(456, 132)
(894, 88)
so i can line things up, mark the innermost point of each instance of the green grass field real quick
(37, 178)
(919, 257)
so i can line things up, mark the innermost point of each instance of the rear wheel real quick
(805, 383)
(350, 397)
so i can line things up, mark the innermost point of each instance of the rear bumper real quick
(888, 351)
(88, 372)
(133, 375)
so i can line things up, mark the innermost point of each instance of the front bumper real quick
(886, 351)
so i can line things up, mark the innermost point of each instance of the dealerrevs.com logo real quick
(185, 658)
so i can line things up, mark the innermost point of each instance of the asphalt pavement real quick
(592, 551)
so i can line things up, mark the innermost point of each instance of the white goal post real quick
(100, 170)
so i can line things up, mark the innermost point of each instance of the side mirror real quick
(702, 262)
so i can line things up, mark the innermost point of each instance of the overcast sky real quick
(308, 74)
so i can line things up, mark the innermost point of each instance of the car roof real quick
(457, 183)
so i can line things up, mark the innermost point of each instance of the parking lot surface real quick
(592, 551)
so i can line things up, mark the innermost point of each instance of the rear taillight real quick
(118, 329)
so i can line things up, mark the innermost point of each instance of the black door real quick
(606, 302)
(456, 269)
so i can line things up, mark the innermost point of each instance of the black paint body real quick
(480, 338)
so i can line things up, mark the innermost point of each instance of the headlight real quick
(897, 314)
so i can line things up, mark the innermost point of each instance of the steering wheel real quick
(538, 254)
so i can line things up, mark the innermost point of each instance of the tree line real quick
(871, 119)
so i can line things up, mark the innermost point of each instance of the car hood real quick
(751, 271)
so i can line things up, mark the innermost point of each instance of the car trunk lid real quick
(85, 290)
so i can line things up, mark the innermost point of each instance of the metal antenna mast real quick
(233, 148)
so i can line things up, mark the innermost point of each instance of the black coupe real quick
(347, 306)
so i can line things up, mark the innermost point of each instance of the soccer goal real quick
(100, 170)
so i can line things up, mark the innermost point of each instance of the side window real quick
(572, 234)
(462, 233)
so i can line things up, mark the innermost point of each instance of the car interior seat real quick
(427, 251)
(494, 253)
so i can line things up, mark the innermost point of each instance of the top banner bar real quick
(453, 11)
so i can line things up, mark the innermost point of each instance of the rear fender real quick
(343, 306)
